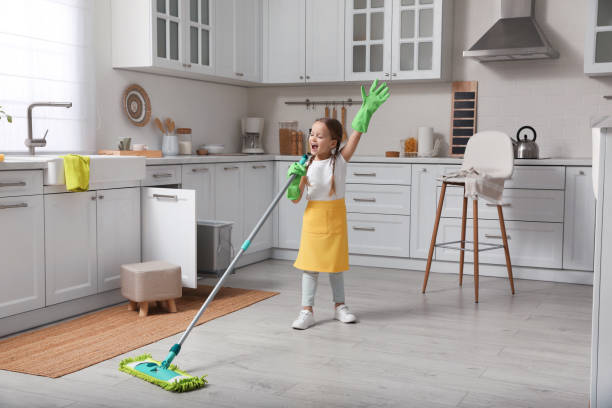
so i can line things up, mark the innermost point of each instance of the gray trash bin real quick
(214, 243)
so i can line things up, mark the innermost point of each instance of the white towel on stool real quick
(480, 184)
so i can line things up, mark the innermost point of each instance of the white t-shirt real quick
(319, 176)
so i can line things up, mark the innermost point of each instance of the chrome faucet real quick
(30, 142)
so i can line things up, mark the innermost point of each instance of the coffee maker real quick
(252, 134)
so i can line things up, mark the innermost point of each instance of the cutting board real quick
(145, 153)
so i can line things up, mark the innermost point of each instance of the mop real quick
(167, 375)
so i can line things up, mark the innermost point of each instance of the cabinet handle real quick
(162, 175)
(501, 205)
(386, 74)
(261, 166)
(301, 76)
(15, 184)
(364, 229)
(307, 76)
(240, 74)
(496, 236)
(199, 170)
(365, 174)
(394, 74)
(367, 200)
(424, 170)
(101, 197)
(581, 172)
(93, 198)
(608, 97)
(230, 168)
(9, 206)
(172, 197)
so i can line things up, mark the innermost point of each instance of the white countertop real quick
(26, 165)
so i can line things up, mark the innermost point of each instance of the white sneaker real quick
(304, 320)
(344, 314)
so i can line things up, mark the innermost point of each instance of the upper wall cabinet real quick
(598, 47)
(176, 35)
(238, 39)
(398, 39)
(303, 41)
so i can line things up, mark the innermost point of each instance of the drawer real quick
(375, 234)
(18, 183)
(374, 199)
(373, 173)
(532, 244)
(519, 205)
(527, 177)
(162, 175)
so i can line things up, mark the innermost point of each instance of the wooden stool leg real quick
(171, 305)
(433, 235)
(475, 215)
(132, 306)
(502, 226)
(144, 309)
(462, 252)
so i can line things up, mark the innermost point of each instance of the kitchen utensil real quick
(334, 113)
(252, 135)
(169, 125)
(343, 120)
(137, 105)
(425, 141)
(159, 125)
(526, 148)
(138, 147)
(327, 111)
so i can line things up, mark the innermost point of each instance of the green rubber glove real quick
(370, 103)
(293, 191)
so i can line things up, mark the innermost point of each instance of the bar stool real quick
(491, 153)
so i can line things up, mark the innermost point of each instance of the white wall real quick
(554, 96)
(212, 110)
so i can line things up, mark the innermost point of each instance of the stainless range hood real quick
(515, 36)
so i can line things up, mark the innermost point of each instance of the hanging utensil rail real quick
(308, 102)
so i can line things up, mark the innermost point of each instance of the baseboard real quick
(39, 317)
(519, 272)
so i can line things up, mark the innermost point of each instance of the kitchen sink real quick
(102, 168)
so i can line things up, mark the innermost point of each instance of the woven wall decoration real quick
(137, 105)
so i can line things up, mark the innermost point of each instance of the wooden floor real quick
(408, 350)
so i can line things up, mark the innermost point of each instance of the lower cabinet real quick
(23, 254)
(258, 192)
(579, 228)
(289, 214)
(70, 246)
(423, 203)
(229, 186)
(118, 234)
(379, 234)
(88, 236)
(537, 244)
(201, 178)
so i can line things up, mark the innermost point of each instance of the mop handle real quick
(177, 347)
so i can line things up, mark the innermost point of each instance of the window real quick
(46, 55)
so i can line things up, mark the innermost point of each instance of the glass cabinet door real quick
(167, 33)
(417, 38)
(368, 37)
(603, 32)
(199, 42)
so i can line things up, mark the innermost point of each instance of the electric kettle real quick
(525, 148)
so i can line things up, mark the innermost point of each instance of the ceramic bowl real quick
(214, 148)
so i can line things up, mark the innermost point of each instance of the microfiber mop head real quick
(170, 379)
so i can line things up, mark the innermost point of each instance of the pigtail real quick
(332, 188)
(308, 163)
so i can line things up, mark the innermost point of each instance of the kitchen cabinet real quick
(303, 41)
(169, 229)
(118, 233)
(258, 192)
(70, 246)
(375, 234)
(579, 227)
(598, 46)
(23, 253)
(201, 179)
(164, 36)
(398, 39)
(289, 214)
(238, 39)
(229, 196)
(423, 207)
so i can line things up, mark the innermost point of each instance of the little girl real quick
(324, 240)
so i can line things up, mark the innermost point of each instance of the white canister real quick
(170, 145)
(184, 147)
(425, 138)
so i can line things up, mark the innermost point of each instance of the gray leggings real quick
(309, 287)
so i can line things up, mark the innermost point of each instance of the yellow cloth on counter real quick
(324, 242)
(1, 157)
(76, 172)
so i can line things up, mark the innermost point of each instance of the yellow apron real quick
(324, 241)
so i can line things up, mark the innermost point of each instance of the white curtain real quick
(46, 55)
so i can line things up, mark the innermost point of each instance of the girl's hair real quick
(335, 130)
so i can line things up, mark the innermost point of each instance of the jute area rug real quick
(70, 346)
